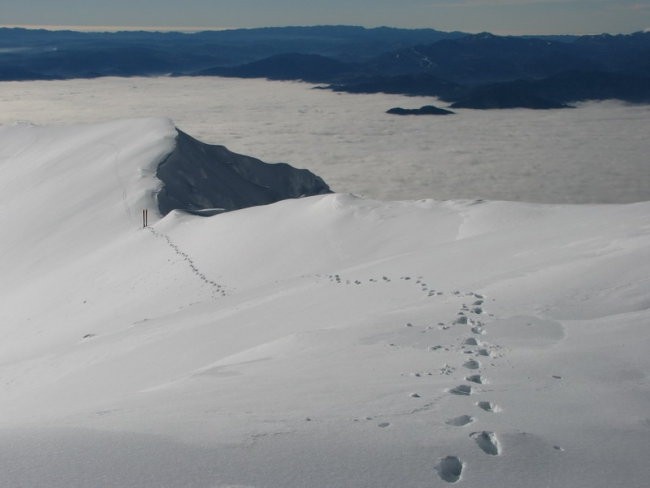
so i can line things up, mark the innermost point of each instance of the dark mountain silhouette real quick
(419, 84)
(573, 86)
(559, 90)
(516, 94)
(291, 66)
(620, 53)
(66, 54)
(10, 73)
(483, 58)
(488, 71)
(478, 70)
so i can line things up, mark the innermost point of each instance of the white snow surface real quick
(329, 341)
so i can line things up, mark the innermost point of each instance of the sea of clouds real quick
(596, 153)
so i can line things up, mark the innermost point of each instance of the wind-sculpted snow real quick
(207, 179)
(327, 341)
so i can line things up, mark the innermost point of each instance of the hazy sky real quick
(498, 16)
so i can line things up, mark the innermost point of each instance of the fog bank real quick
(594, 154)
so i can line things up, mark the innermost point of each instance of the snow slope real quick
(328, 341)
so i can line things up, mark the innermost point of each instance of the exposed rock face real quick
(425, 110)
(205, 179)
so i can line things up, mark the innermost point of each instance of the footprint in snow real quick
(488, 407)
(461, 390)
(472, 364)
(450, 469)
(488, 442)
(460, 421)
(476, 378)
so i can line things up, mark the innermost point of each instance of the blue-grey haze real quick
(498, 16)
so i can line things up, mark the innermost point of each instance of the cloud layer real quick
(597, 153)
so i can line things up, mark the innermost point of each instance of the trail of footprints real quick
(450, 468)
(217, 289)
(417, 282)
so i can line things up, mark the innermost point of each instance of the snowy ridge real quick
(217, 288)
(328, 341)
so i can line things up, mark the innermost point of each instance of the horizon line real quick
(115, 28)
(195, 29)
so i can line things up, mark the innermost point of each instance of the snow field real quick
(326, 341)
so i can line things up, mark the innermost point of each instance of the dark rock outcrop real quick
(425, 110)
(205, 179)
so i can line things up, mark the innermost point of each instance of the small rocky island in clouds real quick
(424, 110)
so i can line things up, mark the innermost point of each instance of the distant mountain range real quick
(466, 70)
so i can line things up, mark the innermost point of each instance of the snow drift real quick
(327, 341)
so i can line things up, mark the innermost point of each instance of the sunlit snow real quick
(331, 341)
